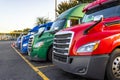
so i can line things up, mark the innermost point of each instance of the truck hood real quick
(78, 31)
(26, 37)
(98, 32)
(47, 35)
(80, 28)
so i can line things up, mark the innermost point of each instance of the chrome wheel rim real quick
(116, 67)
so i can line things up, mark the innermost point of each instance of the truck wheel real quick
(50, 54)
(113, 67)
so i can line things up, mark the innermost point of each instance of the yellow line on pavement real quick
(34, 68)
(44, 66)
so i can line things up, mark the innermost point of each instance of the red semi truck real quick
(92, 49)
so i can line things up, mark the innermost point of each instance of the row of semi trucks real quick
(89, 48)
(40, 38)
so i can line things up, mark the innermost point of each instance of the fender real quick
(107, 45)
(116, 42)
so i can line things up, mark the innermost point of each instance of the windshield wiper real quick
(87, 30)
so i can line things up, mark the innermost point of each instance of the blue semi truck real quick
(18, 42)
(38, 29)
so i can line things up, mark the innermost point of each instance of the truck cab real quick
(91, 49)
(25, 38)
(42, 46)
(34, 38)
(18, 42)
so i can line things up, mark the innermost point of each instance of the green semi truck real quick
(40, 45)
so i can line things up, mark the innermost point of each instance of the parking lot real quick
(15, 66)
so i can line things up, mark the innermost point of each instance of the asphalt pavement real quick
(12, 66)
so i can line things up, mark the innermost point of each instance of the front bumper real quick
(38, 54)
(86, 66)
(24, 49)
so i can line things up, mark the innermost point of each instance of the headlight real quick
(39, 44)
(25, 44)
(88, 47)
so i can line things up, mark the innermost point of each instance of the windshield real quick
(41, 29)
(31, 33)
(59, 24)
(102, 10)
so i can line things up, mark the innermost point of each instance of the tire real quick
(49, 57)
(113, 67)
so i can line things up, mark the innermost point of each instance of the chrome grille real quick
(61, 45)
(30, 42)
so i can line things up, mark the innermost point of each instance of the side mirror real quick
(98, 18)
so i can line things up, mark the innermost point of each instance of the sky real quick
(21, 14)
